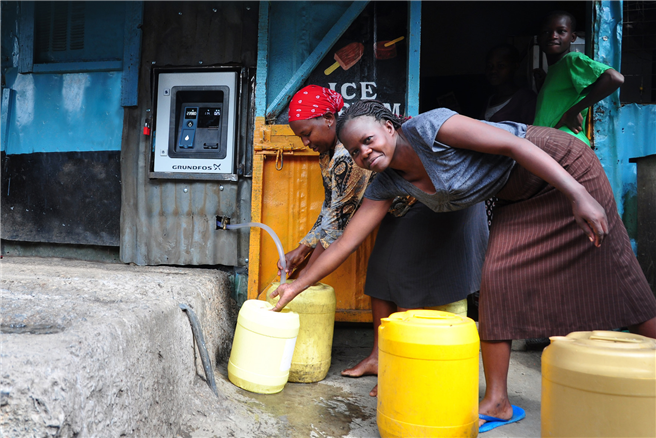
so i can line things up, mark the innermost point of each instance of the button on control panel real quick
(186, 140)
(200, 129)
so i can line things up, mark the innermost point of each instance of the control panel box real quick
(195, 123)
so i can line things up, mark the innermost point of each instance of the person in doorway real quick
(508, 101)
(438, 270)
(559, 258)
(574, 81)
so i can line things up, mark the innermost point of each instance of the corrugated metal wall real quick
(172, 221)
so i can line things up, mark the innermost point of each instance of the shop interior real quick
(456, 36)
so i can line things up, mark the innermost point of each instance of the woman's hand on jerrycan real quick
(294, 258)
(287, 293)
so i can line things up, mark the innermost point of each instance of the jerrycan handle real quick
(614, 339)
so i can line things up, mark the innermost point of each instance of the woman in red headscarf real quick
(421, 259)
(312, 117)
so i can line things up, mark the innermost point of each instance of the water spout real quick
(225, 224)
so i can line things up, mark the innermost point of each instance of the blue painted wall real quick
(621, 132)
(634, 134)
(295, 29)
(73, 104)
(62, 118)
(63, 112)
(607, 41)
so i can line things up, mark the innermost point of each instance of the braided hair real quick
(371, 108)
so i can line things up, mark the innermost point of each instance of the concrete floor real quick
(340, 406)
(97, 349)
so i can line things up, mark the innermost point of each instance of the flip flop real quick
(493, 422)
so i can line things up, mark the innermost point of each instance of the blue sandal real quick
(493, 422)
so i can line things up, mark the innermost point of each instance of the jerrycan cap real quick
(429, 323)
(605, 340)
(424, 333)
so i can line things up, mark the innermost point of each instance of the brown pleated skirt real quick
(542, 276)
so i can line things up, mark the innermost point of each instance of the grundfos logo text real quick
(188, 167)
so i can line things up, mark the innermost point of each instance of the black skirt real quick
(427, 259)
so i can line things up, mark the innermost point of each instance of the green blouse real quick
(567, 84)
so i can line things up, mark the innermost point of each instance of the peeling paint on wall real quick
(74, 86)
(71, 112)
(24, 87)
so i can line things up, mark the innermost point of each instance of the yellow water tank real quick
(599, 384)
(262, 348)
(316, 310)
(427, 375)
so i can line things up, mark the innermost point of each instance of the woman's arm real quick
(609, 81)
(295, 257)
(318, 250)
(365, 220)
(465, 133)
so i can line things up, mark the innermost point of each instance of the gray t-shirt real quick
(461, 177)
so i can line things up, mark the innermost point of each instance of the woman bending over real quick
(559, 258)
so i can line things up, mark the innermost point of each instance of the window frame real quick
(129, 65)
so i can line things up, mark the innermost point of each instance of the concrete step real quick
(95, 349)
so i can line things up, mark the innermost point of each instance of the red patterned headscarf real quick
(314, 101)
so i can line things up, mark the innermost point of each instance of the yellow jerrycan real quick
(427, 375)
(599, 384)
(316, 310)
(262, 348)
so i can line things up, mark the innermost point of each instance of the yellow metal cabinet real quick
(287, 196)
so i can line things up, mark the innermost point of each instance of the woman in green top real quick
(574, 82)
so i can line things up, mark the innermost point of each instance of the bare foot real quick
(498, 409)
(374, 392)
(367, 367)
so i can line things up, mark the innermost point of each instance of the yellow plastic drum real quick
(427, 375)
(316, 310)
(599, 384)
(262, 348)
